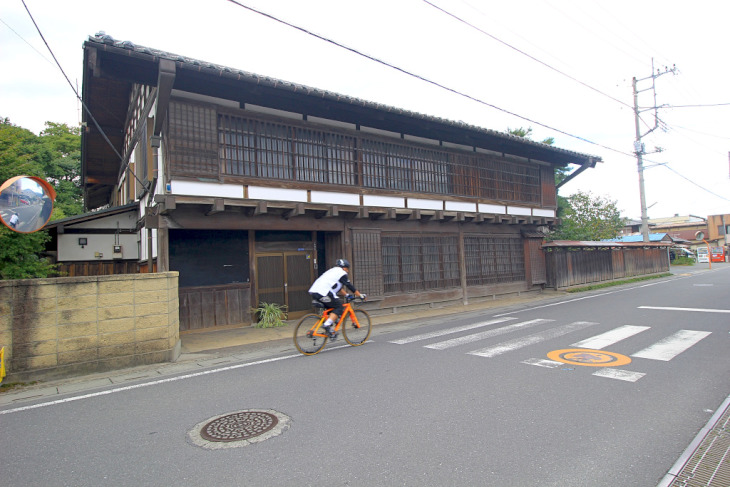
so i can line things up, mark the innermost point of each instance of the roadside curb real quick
(696, 453)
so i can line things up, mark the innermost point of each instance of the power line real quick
(700, 133)
(699, 186)
(29, 44)
(593, 33)
(524, 53)
(426, 80)
(698, 106)
(103, 134)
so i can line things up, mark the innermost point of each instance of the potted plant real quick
(269, 315)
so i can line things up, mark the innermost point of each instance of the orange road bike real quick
(310, 335)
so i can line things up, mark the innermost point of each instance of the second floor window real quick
(206, 142)
(271, 150)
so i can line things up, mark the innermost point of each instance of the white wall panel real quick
(197, 188)
(425, 204)
(335, 198)
(277, 194)
(387, 201)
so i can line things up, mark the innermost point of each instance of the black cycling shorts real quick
(329, 302)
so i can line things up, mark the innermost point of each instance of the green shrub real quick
(683, 261)
(269, 315)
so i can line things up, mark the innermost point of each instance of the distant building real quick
(632, 227)
(718, 227)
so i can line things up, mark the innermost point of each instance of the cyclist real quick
(326, 288)
(14, 220)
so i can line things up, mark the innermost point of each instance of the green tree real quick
(560, 174)
(20, 255)
(527, 134)
(60, 154)
(589, 217)
(54, 155)
(17, 152)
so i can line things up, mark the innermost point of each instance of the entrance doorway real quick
(284, 278)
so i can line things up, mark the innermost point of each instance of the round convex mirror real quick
(26, 203)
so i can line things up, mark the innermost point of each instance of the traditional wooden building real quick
(250, 186)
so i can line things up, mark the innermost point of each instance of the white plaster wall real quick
(69, 249)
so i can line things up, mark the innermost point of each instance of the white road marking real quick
(568, 301)
(486, 334)
(698, 310)
(672, 346)
(517, 343)
(619, 374)
(434, 334)
(152, 383)
(598, 342)
(543, 362)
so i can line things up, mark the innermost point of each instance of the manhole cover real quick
(239, 428)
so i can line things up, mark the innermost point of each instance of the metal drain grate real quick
(240, 428)
(243, 425)
(709, 466)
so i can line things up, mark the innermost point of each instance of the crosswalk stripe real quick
(448, 331)
(486, 334)
(543, 362)
(511, 345)
(672, 346)
(610, 337)
(619, 374)
(695, 310)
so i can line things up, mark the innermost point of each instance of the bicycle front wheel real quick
(307, 338)
(356, 331)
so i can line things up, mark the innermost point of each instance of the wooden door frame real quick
(283, 254)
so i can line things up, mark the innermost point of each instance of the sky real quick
(561, 67)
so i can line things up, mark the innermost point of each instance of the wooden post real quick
(462, 266)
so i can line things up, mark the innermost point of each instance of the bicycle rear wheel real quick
(356, 331)
(305, 340)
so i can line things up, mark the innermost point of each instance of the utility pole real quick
(638, 145)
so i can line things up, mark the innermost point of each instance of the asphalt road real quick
(507, 402)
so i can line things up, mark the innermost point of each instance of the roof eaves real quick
(102, 38)
(92, 215)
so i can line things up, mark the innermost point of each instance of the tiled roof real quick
(102, 38)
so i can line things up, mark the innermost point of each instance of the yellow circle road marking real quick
(589, 358)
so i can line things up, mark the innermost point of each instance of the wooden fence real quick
(570, 263)
(102, 268)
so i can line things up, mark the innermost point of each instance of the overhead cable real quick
(98, 127)
(526, 54)
(426, 80)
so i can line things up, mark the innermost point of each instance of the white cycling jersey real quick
(329, 282)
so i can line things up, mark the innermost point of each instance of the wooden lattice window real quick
(404, 168)
(537, 260)
(549, 194)
(493, 259)
(273, 150)
(367, 262)
(419, 262)
(204, 143)
(192, 140)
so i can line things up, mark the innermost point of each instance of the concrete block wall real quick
(53, 328)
